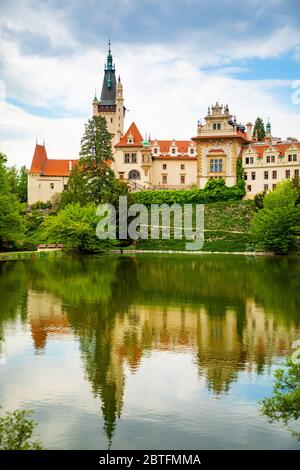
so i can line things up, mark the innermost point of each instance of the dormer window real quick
(155, 150)
(173, 151)
(130, 139)
(192, 151)
(216, 126)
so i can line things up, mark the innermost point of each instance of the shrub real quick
(214, 191)
(259, 200)
(42, 205)
(276, 225)
(284, 405)
(75, 227)
(16, 431)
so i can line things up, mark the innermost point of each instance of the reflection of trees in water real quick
(104, 368)
(235, 313)
(13, 295)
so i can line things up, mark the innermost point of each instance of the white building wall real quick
(255, 168)
(45, 188)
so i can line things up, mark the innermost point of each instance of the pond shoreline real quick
(17, 255)
(191, 252)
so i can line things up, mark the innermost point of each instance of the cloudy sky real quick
(175, 59)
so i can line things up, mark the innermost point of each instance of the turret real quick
(95, 105)
(120, 110)
(268, 131)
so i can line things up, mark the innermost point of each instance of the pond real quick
(148, 352)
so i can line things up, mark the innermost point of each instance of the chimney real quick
(249, 130)
(70, 166)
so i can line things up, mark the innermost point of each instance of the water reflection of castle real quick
(222, 345)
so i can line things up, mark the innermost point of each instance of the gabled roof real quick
(136, 137)
(39, 159)
(41, 165)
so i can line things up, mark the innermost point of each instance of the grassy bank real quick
(227, 227)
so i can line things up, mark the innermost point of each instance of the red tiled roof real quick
(164, 145)
(41, 165)
(260, 148)
(136, 135)
(39, 159)
(59, 167)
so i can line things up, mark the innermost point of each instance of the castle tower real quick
(111, 104)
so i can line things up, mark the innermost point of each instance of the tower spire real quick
(109, 60)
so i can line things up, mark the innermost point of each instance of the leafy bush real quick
(214, 191)
(284, 405)
(259, 200)
(16, 431)
(276, 225)
(75, 227)
(42, 205)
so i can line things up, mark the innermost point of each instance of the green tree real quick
(95, 159)
(11, 223)
(259, 129)
(296, 183)
(276, 225)
(284, 405)
(75, 227)
(17, 180)
(11, 220)
(4, 182)
(16, 430)
(77, 189)
(13, 180)
(23, 183)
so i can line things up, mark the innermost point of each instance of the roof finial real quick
(109, 61)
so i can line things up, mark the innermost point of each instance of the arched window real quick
(134, 175)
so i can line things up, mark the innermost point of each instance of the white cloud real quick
(166, 86)
(20, 130)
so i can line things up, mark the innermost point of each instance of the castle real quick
(173, 164)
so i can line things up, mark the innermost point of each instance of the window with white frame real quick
(130, 158)
(216, 165)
